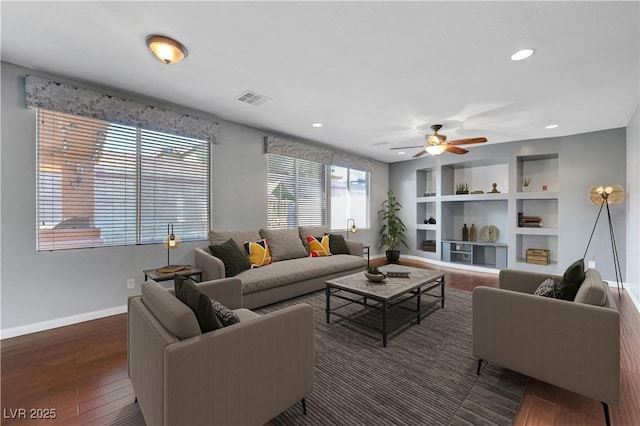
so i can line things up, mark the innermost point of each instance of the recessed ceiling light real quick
(317, 124)
(551, 126)
(401, 153)
(522, 54)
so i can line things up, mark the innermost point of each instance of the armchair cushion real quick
(200, 304)
(570, 283)
(546, 288)
(235, 261)
(225, 315)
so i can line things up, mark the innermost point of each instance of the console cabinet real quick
(495, 195)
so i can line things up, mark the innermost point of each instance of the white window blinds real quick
(296, 192)
(105, 184)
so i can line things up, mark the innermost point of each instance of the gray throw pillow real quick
(235, 261)
(200, 304)
(225, 315)
(569, 285)
(546, 288)
(284, 243)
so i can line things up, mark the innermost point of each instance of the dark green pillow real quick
(568, 286)
(338, 245)
(235, 261)
(200, 304)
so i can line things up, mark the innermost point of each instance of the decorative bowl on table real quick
(375, 277)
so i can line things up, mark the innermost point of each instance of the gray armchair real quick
(243, 374)
(573, 345)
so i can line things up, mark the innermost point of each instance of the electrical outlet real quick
(131, 283)
(592, 264)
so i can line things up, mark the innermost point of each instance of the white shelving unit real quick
(436, 196)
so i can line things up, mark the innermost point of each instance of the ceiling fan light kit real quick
(437, 144)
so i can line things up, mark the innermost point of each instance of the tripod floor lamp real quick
(605, 196)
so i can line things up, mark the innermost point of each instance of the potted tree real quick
(392, 232)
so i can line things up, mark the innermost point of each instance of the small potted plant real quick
(462, 188)
(374, 274)
(392, 231)
(526, 183)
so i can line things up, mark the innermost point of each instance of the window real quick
(106, 184)
(296, 192)
(349, 197)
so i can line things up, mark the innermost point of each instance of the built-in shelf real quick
(536, 231)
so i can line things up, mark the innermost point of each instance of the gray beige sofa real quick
(243, 374)
(292, 273)
(574, 345)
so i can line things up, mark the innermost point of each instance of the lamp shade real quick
(436, 149)
(609, 194)
(166, 49)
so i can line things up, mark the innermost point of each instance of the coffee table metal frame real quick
(415, 290)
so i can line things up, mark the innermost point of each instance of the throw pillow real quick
(225, 315)
(284, 243)
(338, 245)
(259, 254)
(569, 285)
(200, 304)
(546, 288)
(234, 260)
(318, 246)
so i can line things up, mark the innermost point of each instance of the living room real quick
(42, 290)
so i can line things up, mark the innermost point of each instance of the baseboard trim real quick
(60, 322)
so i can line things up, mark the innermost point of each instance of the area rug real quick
(425, 376)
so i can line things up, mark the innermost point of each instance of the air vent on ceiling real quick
(253, 98)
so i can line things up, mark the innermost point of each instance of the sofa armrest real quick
(227, 291)
(246, 373)
(571, 345)
(522, 281)
(355, 247)
(212, 267)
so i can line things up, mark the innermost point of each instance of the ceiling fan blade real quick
(455, 150)
(407, 147)
(420, 154)
(467, 141)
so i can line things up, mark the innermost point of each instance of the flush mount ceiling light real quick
(551, 126)
(166, 49)
(522, 54)
(317, 124)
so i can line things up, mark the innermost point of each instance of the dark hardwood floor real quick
(80, 371)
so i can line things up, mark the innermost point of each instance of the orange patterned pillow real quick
(318, 246)
(259, 254)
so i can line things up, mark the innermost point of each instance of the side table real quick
(188, 271)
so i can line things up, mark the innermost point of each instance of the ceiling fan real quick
(437, 144)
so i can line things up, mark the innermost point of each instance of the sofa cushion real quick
(592, 291)
(318, 246)
(284, 243)
(219, 236)
(296, 270)
(189, 294)
(546, 288)
(259, 254)
(570, 283)
(174, 315)
(338, 245)
(235, 261)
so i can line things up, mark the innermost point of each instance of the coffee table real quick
(385, 296)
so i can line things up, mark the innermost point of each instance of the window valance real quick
(60, 97)
(273, 145)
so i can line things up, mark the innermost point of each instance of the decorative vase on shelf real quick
(431, 220)
(473, 233)
(465, 233)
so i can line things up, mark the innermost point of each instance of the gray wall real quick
(633, 207)
(585, 160)
(48, 287)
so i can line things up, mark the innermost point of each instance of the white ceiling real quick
(371, 72)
